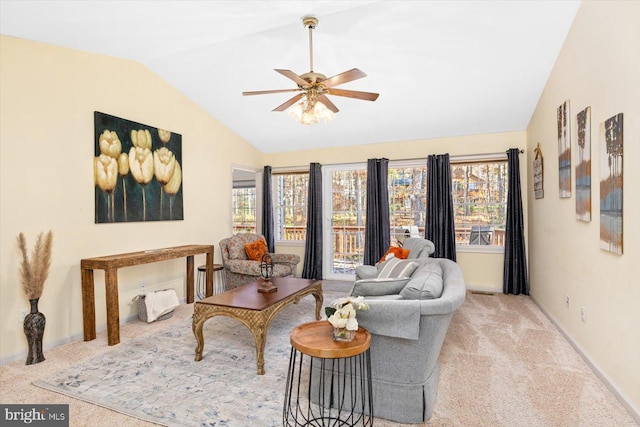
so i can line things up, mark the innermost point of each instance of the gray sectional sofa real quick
(408, 323)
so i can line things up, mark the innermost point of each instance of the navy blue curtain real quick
(313, 243)
(515, 280)
(377, 232)
(267, 209)
(440, 228)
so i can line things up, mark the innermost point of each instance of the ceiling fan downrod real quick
(310, 22)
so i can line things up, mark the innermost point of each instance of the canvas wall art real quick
(137, 171)
(564, 150)
(583, 168)
(538, 173)
(611, 156)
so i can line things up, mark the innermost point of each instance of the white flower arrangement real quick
(342, 312)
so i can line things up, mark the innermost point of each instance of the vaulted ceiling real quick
(442, 68)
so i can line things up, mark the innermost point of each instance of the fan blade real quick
(293, 76)
(323, 98)
(289, 103)
(265, 92)
(342, 78)
(366, 96)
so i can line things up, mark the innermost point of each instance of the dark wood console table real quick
(110, 265)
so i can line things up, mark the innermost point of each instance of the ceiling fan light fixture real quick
(309, 112)
(312, 104)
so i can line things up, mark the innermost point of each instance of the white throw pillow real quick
(397, 268)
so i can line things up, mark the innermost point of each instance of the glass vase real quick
(343, 334)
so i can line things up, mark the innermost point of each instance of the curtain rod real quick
(283, 169)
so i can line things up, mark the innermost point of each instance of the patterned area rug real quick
(503, 364)
(156, 378)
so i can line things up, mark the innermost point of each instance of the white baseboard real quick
(483, 289)
(608, 382)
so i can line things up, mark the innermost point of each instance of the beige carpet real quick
(503, 364)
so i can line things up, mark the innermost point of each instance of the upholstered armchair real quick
(239, 269)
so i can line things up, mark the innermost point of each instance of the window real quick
(345, 187)
(290, 205)
(407, 200)
(480, 201)
(243, 202)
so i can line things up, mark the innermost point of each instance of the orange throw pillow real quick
(397, 252)
(256, 250)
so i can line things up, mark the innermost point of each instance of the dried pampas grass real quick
(34, 271)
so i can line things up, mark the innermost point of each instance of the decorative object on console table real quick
(342, 316)
(33, 274)
(266, 270)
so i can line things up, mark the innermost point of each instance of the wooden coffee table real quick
(254, 309)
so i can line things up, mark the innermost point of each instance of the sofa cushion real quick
(397, 252)
(256, 250)
(418, 248)
(378, 287)
(426, 283)
(397, 268)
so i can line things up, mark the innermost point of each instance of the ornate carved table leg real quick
(198, 322)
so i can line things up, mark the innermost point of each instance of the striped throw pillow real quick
(397, 268)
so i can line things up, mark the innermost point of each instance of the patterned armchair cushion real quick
(252, 268)
(237, 242)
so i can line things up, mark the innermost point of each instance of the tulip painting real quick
(137, 171)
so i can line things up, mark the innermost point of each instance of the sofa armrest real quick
(285, 259)
(378, 287)
(243, 266)
(392, 318)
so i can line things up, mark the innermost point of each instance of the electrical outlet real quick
(142, 287)
(23, 314)
(566, 300)
(583, 312)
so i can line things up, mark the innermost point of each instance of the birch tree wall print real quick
(583, 168)
(137, 171)
(564, 151)
(611, 145)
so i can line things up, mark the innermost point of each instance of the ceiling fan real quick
(314, 87)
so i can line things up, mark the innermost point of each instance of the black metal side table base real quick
(335, 392)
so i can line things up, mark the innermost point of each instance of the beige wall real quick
(48, 96)
(481, 270)
(599, 66)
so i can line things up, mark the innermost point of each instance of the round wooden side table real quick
(329, 382)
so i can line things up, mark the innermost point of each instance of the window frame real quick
(234, 205)
(275, 173)
(407, 164)
(479, 158)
